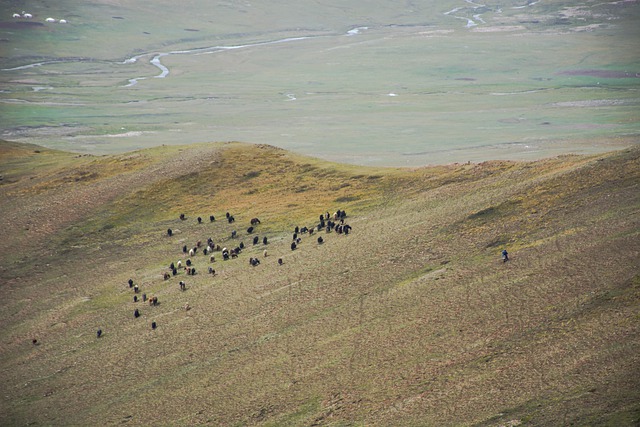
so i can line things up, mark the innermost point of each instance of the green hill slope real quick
(410, 319)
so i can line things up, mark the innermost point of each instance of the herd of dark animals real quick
(327, 223)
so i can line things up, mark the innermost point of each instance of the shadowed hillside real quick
(410, 319)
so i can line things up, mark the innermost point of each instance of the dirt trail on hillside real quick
(40, 215)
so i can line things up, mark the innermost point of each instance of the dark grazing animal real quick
(169, 232)
(255, 221)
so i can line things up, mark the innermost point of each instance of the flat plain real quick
(362, 82)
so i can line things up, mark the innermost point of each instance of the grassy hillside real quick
(411, 319)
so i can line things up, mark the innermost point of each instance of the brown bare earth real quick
(411, 319)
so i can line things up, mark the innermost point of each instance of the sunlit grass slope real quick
(411, 319)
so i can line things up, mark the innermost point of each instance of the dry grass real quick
(412, 319)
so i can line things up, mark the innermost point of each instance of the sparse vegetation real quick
(412, 319)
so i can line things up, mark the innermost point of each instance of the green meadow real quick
(372, 83)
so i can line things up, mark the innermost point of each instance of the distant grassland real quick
(414, 86)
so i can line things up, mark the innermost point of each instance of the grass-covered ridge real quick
(411, 319)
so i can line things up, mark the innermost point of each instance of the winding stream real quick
(156, 59)
(164, 71)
